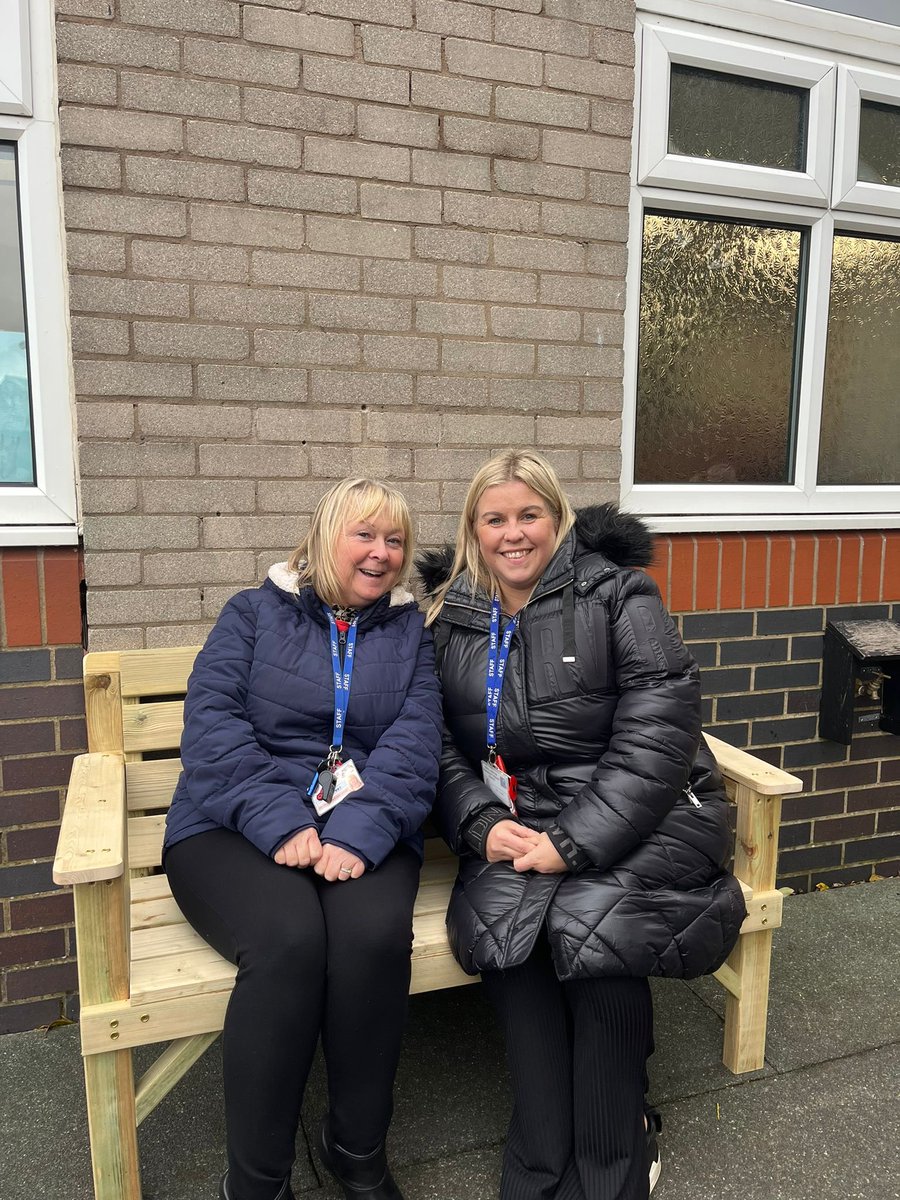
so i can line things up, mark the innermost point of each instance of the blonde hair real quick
(509, 466)
(348, 501)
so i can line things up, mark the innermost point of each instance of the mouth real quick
(371, 574)
(515, 555)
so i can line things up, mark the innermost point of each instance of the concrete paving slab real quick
(825, 1132)
(835, 975)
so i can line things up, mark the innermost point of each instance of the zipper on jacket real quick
(342, 644)
(691, 795)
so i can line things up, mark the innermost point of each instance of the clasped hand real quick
(525, 848)
(305, 850)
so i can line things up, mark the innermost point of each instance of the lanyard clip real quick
(492, 755)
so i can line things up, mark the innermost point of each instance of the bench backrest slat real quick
(156, 672)
(150, 784)
(153, 726)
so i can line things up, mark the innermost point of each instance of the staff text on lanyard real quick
(343, 674)
(498, 654)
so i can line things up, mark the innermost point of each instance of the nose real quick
(378, 550)
(514, 533)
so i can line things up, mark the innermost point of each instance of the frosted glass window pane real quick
(879, 143)
(720, 306)
(737, 119)
(860, 440)
(16, 454)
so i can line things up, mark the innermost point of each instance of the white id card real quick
(499, 782)
(346, 780)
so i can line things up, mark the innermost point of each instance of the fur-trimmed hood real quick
(620, 537)
(286, 581)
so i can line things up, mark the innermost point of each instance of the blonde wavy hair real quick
(509, 466)
(347, 502)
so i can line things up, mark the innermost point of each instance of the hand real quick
(333, 858)
(508, 840)
(301, 850)
(543, 858)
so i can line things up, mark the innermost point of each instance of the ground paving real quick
(821, 1121)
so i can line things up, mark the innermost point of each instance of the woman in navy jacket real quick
(310, 751)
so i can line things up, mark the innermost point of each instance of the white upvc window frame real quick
(43, 514)
(856, 84)
(721, 507)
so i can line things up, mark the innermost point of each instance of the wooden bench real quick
(146, 977)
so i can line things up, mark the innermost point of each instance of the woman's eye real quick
(395, 543)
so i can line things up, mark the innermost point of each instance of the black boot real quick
(362, 1176)
(225, 1193)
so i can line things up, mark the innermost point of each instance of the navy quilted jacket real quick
(258, 718)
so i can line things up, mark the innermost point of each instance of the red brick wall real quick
(41, 728)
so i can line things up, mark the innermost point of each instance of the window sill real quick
(38, 535)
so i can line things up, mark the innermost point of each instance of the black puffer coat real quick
(603, 750)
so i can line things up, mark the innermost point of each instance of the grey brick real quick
(379, 202)
(460, 20)
(487, 358)
(139, 606)
(589, 78)
(232, 226)
(603, 329)
(184, 260)
(401, 47)
(292, 111)
(401, 278)
(491, 212)
(255, 462)
(204, 496)
(383, 12)
(240, 62)
(119, 130)
(467, 320)
(172, 177)
(289, 348)
(189, 97)
(465, 57)
(250, 306)
(202, 568)
(227, 532)
(360, 387)
(105, 419)
(537, 179)
(442, 392)
(526, 6)
(267, 147)
(102, 9)
(300, 30)
(305, 270)
(452, 245)
(469, 171)
(90, 42)
(582, 291)
(290, 189)
(96, 335)
(406, 429)
(402, 353)
(91, 168)
(485, 431)
(130, 459)
(610, 117)
(95, 251)
(379, 123)
(448, 464)
(215, 598)
(173, 340)
(157, 637)
(605, 188)
(472, 283)
(579, 431)
(602, 464)
(87, 85)
(436, 529)
(95, 377)
(490, 137)
(450, 95)
(608, 259)
(199, 16)
(536, 324)
(358, 237)
(586, 150)
(358, 312)
(125, 214)
(608, 14)
(259, 385)
(356, 158)
(539, 33)
(535, 395)
(103, 293)
(613, 46)
(187, 421)
(109, 568)
(381, 462)
(543, 108)
(581, 361)
(303, 495)
(282, 424)
(584, 221)
(603, 395)
(540, 253)
(387, 84)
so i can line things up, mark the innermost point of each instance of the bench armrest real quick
(91, 842)
(758, 776)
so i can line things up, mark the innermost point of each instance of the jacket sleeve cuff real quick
(573, 856)
(476, 831)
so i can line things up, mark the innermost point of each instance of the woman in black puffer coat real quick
(596, 855)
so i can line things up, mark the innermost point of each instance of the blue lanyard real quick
(498, 653)
(343, 673)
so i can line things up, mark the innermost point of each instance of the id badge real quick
(500, 783)
(346, 780)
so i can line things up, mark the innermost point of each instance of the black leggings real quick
(312, 957)
(577, 1057)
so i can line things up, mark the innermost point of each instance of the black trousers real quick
(312, 957)
(577, 1058)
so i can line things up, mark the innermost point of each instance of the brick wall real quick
(41, 727)
(759, 645)
(316, 238)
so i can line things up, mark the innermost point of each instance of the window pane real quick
(16, 454)
(736, 119)
(860, 440)
(720, 309)
(879, 143)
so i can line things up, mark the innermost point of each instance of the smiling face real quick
(368, 558)
(516, 534)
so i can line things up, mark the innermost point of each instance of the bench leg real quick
(109, 1084)
(745, 1015)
